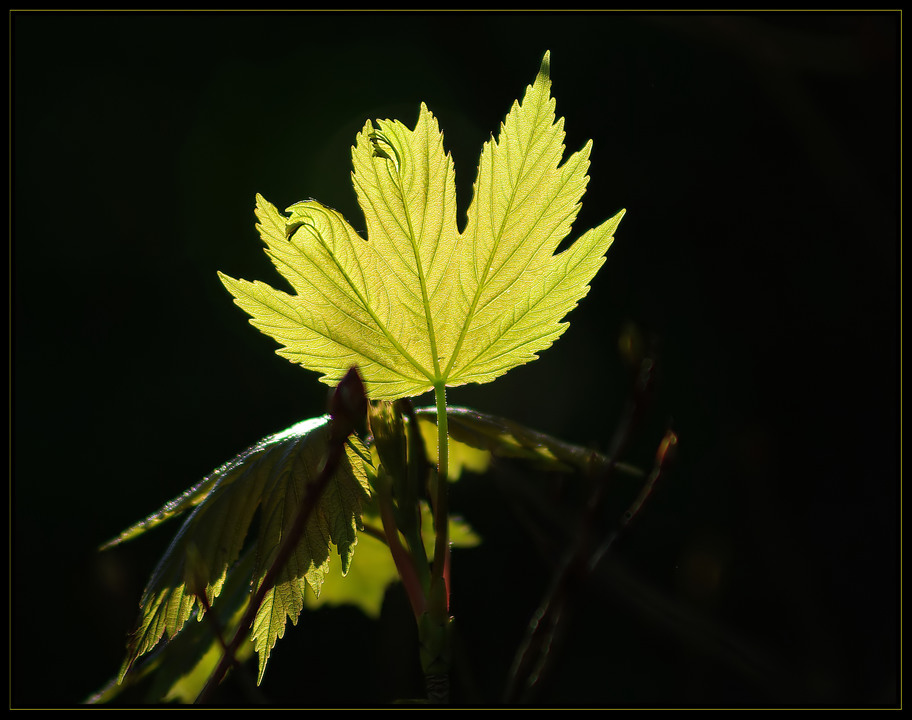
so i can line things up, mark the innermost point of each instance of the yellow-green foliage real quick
(418, 304)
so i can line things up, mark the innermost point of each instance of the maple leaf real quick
(419, 305)
(274, 475)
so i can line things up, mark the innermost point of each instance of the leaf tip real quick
(226, 280)
(545, 68)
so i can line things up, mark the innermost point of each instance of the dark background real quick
(757, 156)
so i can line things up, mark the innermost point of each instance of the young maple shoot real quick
(417, 306)
(420, 306)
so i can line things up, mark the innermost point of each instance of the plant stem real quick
(434, 626)
(536, 653)
(405, 562)
(441, 569)
(410, 512)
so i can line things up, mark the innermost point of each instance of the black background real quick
(757, 156)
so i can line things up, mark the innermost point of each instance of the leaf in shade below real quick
(271, 476)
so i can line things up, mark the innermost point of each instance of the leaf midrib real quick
(419, 268)
(499, 236)
(395, 343)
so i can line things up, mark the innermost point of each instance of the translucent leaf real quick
(272, 476)
(419, 304)
(474, 437)
(177, 671)
(365, 584)
(188, 500)
(462, 456)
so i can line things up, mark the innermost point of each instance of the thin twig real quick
(536, 649)
(249, 687)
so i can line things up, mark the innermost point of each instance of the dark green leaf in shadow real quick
(273, 475)
(177, 671)
(475, 437)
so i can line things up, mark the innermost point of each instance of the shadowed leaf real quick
(271, 476)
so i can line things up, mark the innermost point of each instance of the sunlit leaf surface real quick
(419, 304)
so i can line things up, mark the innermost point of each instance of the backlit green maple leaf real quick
(420, 305)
